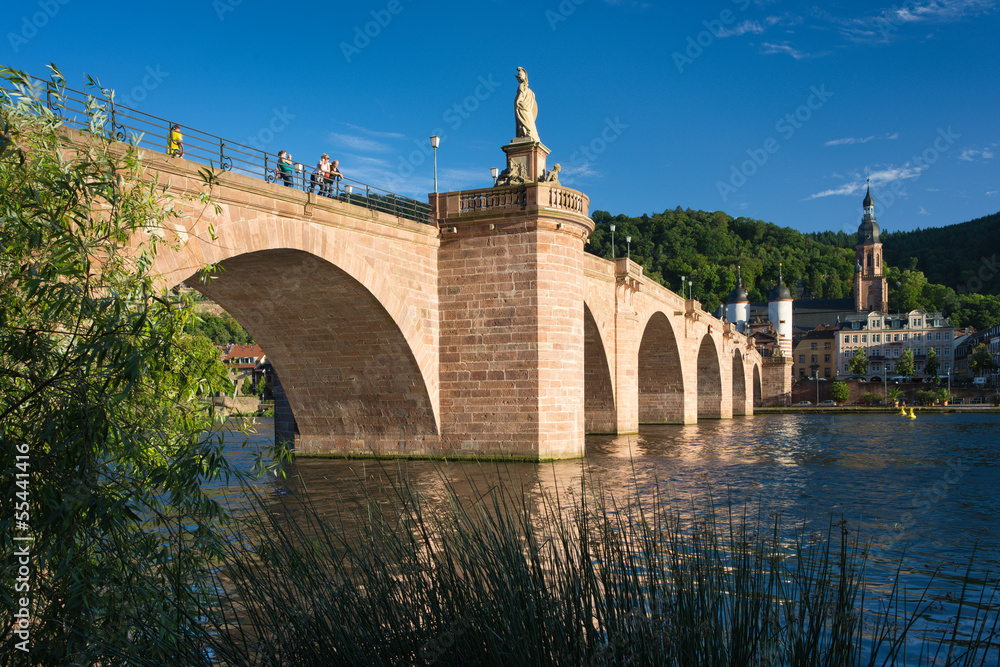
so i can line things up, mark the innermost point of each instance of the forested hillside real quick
(963, 257)
(707, 247)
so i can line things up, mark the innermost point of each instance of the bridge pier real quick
(510, 272)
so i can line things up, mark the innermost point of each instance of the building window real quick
(802, 372)
(855, 338)
(947, 352)
(947, 335)
(895, 338)
(864, 338)
(826, 372)
(937, 336)
(814, 345)
(826, 358)
(895, 352)
(905, 336)
(826, 346)
(847, 367)
(947, 367)
(814, 358)
(847, 339)
(802, 358)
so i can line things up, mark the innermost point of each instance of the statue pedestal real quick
(526, 159)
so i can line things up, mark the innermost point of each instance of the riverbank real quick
(870, 410)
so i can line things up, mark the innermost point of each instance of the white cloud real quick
(356, 143)
(849, 140)
(974, 154)
(922, 211)
(881, 177)
(845, 189)
(375, 133)
(846, 141)
(770, 48)
(751, 27)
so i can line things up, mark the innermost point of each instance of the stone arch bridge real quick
(485, 332)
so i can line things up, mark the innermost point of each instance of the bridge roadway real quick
(487, 332)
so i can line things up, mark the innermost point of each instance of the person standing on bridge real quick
(332, 177)
(175, 141)
(284, 169)
(320, 175)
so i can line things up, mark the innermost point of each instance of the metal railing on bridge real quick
(79, 109)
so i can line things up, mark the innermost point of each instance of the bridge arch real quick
(739, 384)
(709, 379)
(661, 373)
(325, 293)
(600, 414)
(350, 376)
(758, 388)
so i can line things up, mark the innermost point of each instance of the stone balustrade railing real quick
(527, 197)
(494, 198)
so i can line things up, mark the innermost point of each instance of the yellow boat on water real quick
(911, 415)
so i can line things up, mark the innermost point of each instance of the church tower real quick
(871, 292)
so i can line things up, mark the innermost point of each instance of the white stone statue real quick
(525, 109)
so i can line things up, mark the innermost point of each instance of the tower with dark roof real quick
(738, 305)
(871, 292)
(779, 313)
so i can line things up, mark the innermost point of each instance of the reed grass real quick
(521, 578)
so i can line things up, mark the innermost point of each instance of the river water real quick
(926, 488)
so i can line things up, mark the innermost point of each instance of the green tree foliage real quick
(905, 364)
(962, 257)
(840, 391)
(707, 247)
(99, 387)
(982, 361)
(859, 362)
(220, 329)
(933, 364)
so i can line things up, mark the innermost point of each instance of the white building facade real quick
(883, 338)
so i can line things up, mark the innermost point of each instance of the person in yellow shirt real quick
(175, 141)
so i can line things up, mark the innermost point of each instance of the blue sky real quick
(762, 108)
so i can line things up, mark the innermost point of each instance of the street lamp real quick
(348, 189)
(612, 241)
(435, 141)
(628, 247)
(494, 172)
(682, 286)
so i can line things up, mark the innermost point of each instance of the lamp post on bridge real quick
(612, 241)
(494, 172)
(435, 141)
(628, 248)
